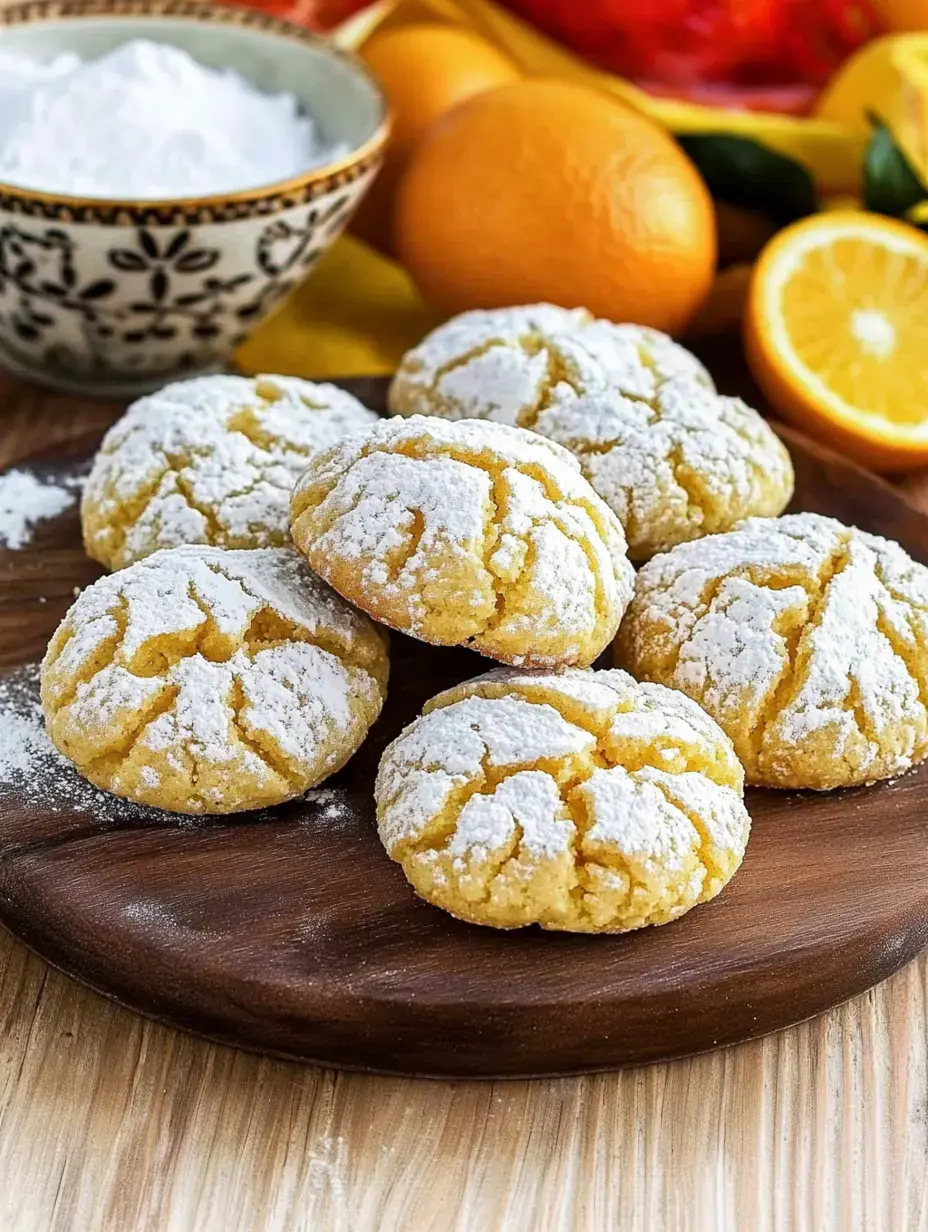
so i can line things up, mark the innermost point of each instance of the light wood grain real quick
(110, 1122)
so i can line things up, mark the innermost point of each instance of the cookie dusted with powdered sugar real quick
(469, 533)
(806, 640)
(669, 455)
(579, 800)
(685, 463)
(211, 460)
(209, 681)
(510, 364)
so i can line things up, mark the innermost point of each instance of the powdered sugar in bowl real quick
(125, 280)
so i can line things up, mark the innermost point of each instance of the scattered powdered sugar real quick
(31, 768)
(330, 805)
(163, 918)
(210, 460)
(147, 121)
(26, 500)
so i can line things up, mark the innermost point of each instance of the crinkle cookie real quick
(210, 460)
(208, 681)
(579, 800)
(510, 364)
(467, 533)
(669, 455)
(807, 641)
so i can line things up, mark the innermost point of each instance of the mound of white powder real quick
(26, 500)
(147, 121)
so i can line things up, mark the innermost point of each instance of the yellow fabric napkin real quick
(356, 315)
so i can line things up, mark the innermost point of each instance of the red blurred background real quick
(765, 54)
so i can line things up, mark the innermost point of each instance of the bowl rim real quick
(33, 12)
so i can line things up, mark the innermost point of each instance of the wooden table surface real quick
(111, 1122)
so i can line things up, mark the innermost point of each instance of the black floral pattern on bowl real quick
(168, 307)
(163, 298)
(39, 268)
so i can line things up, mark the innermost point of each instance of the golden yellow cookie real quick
(806, 640)
(467, 533)
(579, 800)
(510, 364)
(208, 681)
(669, 455)
(211, 460)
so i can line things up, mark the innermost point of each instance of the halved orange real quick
(836, 334)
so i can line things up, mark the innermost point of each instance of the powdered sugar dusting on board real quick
(32, 769)
(26, 500)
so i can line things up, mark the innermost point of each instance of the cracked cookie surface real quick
(211, 460)
(578, 800)
(806, 640)
(671, 457)
(467, 533)
(208, 681)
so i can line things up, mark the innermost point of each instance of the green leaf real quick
(890, 185)
(746, 173)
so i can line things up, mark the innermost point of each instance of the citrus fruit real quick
(835, 334)
(888, 81)
(899, 15)
(424, 70)
(552, 191)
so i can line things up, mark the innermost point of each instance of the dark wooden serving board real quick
(291, 932)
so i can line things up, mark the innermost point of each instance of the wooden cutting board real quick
(291, 932)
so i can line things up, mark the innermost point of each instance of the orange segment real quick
(837, 334)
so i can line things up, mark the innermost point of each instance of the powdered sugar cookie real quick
(211, 460)
(670, 456)
(510, 364)
(579, 800)
(208, 681)
(467, 533)
(807, 641)
(682, 464)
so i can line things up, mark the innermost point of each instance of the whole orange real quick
(550, 190)
(424, 70)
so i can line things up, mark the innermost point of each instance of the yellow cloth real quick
(356, 315)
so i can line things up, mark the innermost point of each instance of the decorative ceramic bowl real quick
(118, 297)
